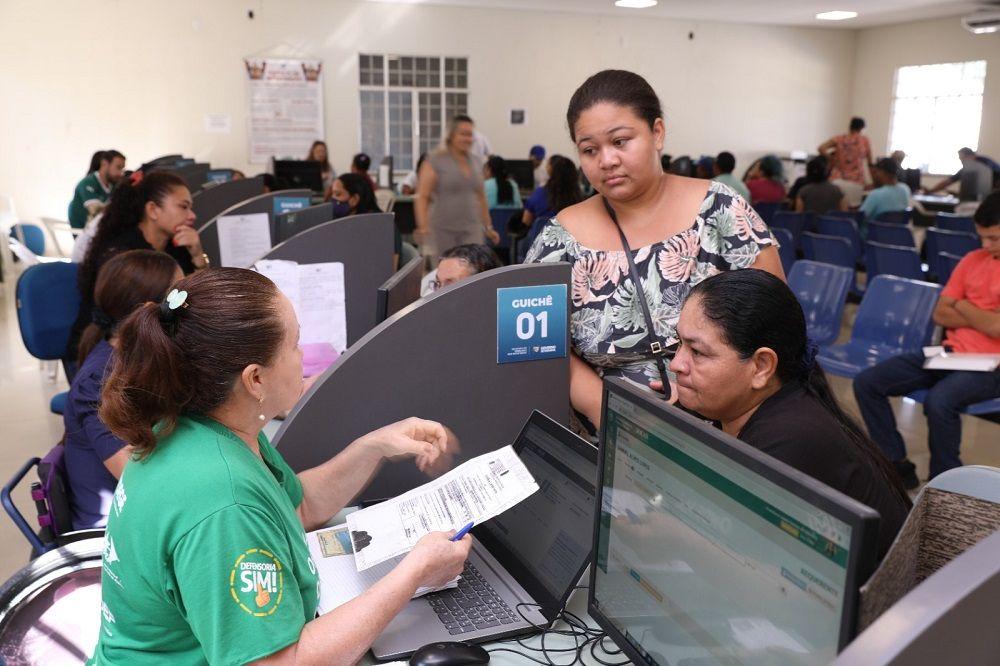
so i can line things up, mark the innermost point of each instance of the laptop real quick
(524, 563)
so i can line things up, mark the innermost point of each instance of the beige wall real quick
(881, 51)
(140, 76)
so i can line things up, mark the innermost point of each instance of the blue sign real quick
(289, 204)
(220, 176)
(531, 323)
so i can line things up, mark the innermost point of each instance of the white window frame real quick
(414, 92)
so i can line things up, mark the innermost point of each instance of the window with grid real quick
(406, 102)
(936, 110)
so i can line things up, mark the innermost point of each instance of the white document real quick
(318, 295)
(339, 579)
(243, 239)
(475, 491)
(939, 359)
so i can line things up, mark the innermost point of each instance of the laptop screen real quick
(708, 549)
(545, 541)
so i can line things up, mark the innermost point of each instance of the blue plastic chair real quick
(894, 318)
(897, 260)
(895, 216)
(952, 222)
(786, 247)
(890, 234)
(952, 242)
(834, 250)
(946, 263)
(47, 303)
(796, 223)
(978, 409)
(498, 218)
(767, 210)
(855, 215)
(31, 235)
(822, 292)
(845, 228)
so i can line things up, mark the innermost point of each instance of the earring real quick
(261, 415)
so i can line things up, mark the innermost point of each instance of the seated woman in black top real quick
(153, 213)
(745, 362)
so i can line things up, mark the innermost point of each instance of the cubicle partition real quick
(212, 201)
(401, 289)
(364, 243)
(436, 359)
(262, 203)
(295, 222)
(194, 175)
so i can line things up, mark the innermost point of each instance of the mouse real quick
(449, 654)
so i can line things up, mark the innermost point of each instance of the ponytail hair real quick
(126, 208)
(754, 309)
(126, 281)
(498, 167)
(186, 361)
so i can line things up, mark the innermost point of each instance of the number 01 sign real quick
(531, 323)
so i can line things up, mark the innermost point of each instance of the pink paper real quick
(317, 357)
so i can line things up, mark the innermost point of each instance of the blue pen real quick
(462, 532)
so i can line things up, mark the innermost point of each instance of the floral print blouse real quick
(607, 325)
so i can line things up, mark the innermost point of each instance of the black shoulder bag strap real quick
(659, 351)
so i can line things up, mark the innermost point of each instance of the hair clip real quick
(175, 300)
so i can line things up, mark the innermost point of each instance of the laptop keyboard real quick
(471, 606)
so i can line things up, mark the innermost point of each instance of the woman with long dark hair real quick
(351, 194)
(745, 362)
(94, 456)
(501, 189)
(819, 196)
(206, 559)
(152, 213)
(318, 153)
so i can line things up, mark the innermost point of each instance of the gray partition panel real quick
(950, 618)
(365, 244)
(436, 359)
(194, 175)
(295, 222)
(401, 289)
(210, 202)
(262, 203)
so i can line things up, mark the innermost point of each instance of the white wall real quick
(140, 77)
(883, 50)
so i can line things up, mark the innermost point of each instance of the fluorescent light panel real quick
(635, 4)
(836, 15)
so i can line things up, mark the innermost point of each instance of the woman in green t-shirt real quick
(205, 555)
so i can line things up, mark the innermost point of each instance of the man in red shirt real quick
(969, 310)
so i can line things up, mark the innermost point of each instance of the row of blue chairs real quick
(895, 317)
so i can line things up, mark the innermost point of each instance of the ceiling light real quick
(837, 15)
(635, 4)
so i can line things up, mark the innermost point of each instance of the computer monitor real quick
(297, 221)
(523, 173)
(709, 551)
(401, 289)
(296, 174)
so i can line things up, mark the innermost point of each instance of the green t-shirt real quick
(205, 559)
(87, 190)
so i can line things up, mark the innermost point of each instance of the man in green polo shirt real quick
(92, 192)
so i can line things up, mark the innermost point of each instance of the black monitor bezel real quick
(862, 520)
(550, 606)
(290, 170)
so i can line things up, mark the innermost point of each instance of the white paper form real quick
(339, 579)
(475, 491)
(243, 238)
(318, 295)
(939, 359)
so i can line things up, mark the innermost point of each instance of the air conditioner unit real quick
(982, 23)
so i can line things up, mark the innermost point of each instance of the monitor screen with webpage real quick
(708, 550)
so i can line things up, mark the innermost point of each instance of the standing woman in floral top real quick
(681, 231)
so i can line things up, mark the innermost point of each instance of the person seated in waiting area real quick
(765, 181)
(408, 186)
(94, 456)
(91, 193)
(969, 310)
(976, 177)
(704, 168)
(889, 195)
(501, 189)
(725, 164)
(561, 190)
(819, 196)
(206, 559)
(745, 362)
(457, 264)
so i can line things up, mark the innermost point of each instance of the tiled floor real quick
(29, 429)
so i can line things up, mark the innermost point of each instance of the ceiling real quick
(766, 12)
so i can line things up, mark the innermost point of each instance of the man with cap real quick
(537, 157)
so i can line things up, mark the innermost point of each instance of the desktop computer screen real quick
(294, 174)
(523, 174)
(708, 551)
